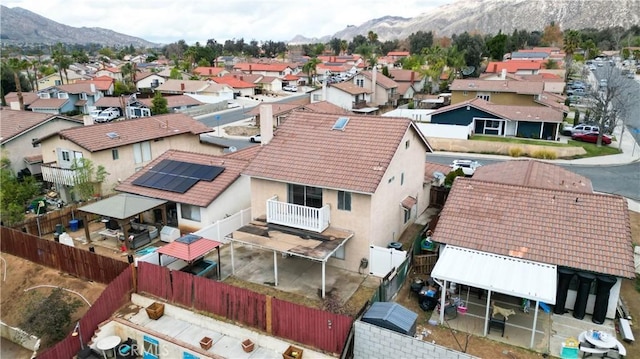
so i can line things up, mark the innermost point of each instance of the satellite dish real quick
(232, 149)
(468, 70)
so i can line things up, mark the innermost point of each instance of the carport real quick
(312, 246)
(496, 273)
(121, 207)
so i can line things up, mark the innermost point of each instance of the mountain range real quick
(18, 25)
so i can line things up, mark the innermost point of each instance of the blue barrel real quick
(73, 225)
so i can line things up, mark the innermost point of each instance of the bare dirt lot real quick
(22, 274)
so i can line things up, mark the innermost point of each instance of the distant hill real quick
(491, 16)
(20, 26)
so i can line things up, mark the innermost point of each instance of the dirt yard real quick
(21, 275)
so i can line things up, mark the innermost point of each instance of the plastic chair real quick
(570, 349)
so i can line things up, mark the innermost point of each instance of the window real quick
(63, 95)
(57, 82)
(465, 93)
(142, 152)
(344, 201)
(485, 97)
(304, 195)
(392, 179)
(407, 215)
(317, 97)
(114, 154)
(190, 212)
(66, 156)
(83, 96)
(360, 82)
(402, 178)
(491, 124)
(406, 144)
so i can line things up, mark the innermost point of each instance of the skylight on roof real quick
(341, 123)
(112, 135)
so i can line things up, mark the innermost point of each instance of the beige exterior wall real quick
(498, 98)
(20, 147)
(124, 166)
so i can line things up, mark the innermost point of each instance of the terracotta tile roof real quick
(277, 108)
(332, 68)
(261, 79)
(15, 123)
(94, 138)
(232, 81)
(398, 53)
(400, 75)
(408, 202)
(247, 153)
(33, 159)
(102, 83)
(77, 88)
(431, 167)
(350, 88)
(143, 75)
(554, 101)
(203, 192)
(325, 107)
(110, 101)
(531, 173)
(208, 71)
(519, 87)
(381, 79)
(306, 150)
(27, 97)
(173, 101)
(579, 230)
(48, 103)
(283, 108)
(514, 113)
(277, 67)
(252, 78)
(403, 87)
(290, 77)
(513, 66)
(183, 85)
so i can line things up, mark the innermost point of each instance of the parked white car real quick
(255, 138)
(108, 115)
(290, 88)
(468, 166)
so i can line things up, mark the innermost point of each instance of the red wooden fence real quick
(154, 280)
(313, 327)
(182, 288)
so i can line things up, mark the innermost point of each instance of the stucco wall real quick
(372, 342)
(498, 98)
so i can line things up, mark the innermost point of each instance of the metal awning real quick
(509, 275)
(365, 109)
(122, 206)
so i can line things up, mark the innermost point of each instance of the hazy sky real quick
(167, 21)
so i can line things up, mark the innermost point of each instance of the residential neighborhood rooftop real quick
(520, 87)
(16, 122)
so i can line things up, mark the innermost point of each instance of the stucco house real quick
(537, 234)
(195, 87)
(240, 87)
(499, 92)
(346, 95)
(348, 184)
(18, 131)
(282, 110)
(148, 80)
(103, 84)
(112, 72)
(384, 91)
(55, 79)
(486, 118)
(207, 200)
(122, 147)
(209, 71)
(272, 69)
(14, 102)
(409, 82)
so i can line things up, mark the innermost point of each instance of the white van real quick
(108, 115)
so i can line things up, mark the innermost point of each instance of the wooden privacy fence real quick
(115, 295)
(77, 262)
(316, 328)
(46, 223)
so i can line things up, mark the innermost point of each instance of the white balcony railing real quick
(58, 175)
(297, 216)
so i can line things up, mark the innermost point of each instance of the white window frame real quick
(83, 96)
(344, 201)
(141, 152)
(190, 212)
(63, 95)
(65, 155)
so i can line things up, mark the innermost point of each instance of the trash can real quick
(74, 224)
(395, 245)
(59, 228)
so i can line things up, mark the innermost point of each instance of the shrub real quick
(545, 154)
(516, 151)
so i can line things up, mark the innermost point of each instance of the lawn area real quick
(590, 148)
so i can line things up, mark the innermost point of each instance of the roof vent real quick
(113, 135)
(341, 123)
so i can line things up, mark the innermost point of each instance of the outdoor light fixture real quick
(76, 333)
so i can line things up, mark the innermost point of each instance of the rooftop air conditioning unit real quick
(169, 234)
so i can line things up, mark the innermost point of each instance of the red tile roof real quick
(102, 83)
(512, 66)
(509, 112)
(48, 103)
(15, 123)
(94, 138)
(398, 53)
(203, 192)
(584, 231)
(306, 150)
(431, 167)
(350, 88)
(400, 75)
(247, 153)
(189, 251)
(531, 173)
(233, 82)
(27, 97)
(277, 67)
(381, 79)
(208, 71)
(290, 77)
(283, 108)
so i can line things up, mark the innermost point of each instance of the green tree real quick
(88, 179)
(496, 46)
(310, 69)
(571, 43)
(474, 48)
(175, 74)
(335, 45)
(159, 104)
(420, 40)
(15, 193)
(50, 318)
(61, 60)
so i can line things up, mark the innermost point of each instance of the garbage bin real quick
(74, 224)
(395, 245)
(59, 228)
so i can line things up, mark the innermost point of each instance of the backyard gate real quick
(382, 260)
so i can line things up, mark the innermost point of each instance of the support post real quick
(275, 267)
(486, 313)
(324, 267)
(535, 321)
(233, 267)
(443, 297)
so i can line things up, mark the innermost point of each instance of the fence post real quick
(38, 224)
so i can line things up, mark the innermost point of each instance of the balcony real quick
(297, 216)
(359, 104)
(58, 175)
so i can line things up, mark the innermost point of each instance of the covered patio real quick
(316, 247)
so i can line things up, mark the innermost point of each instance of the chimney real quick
(266, 123)
(250, 71)
(374, 74)
(93, 88)
(182, 86)
(495, 68)
(413, 76)
(241, 78)
(503, 75)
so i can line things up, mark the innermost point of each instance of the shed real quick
(392, 316)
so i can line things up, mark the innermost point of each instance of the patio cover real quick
(122, 206)
(189, 247)
(509, 275)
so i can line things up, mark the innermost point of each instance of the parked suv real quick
(108, 115)
(468, 166)
(581, 128)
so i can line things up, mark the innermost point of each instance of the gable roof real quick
(283, 108)
(234, 82)
(508, 112)
(183, 85)
(102, 83)
(94, 138)
(306, 150)
(381, 79)
(276, 67)
(513, 66)
(350, 88)
(16, 123)
(27, 98)
(431, 167)
(208, 70)
(203, 192)
(401, 75)
(519, 87)
(579, 230)
(48, 103)
(77, 88)
(173, 101)
(531, 173)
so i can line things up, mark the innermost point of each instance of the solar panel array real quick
(177, 176)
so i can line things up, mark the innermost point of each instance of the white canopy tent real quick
(497, 273)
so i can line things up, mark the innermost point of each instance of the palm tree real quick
(455, 59)
(17, 65)
(61, 60)
(310, 68)
(571, 44)
(372, 37)
(344, 45)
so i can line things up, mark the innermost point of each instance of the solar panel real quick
(177, 176)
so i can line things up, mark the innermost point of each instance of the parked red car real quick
(591, 137)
